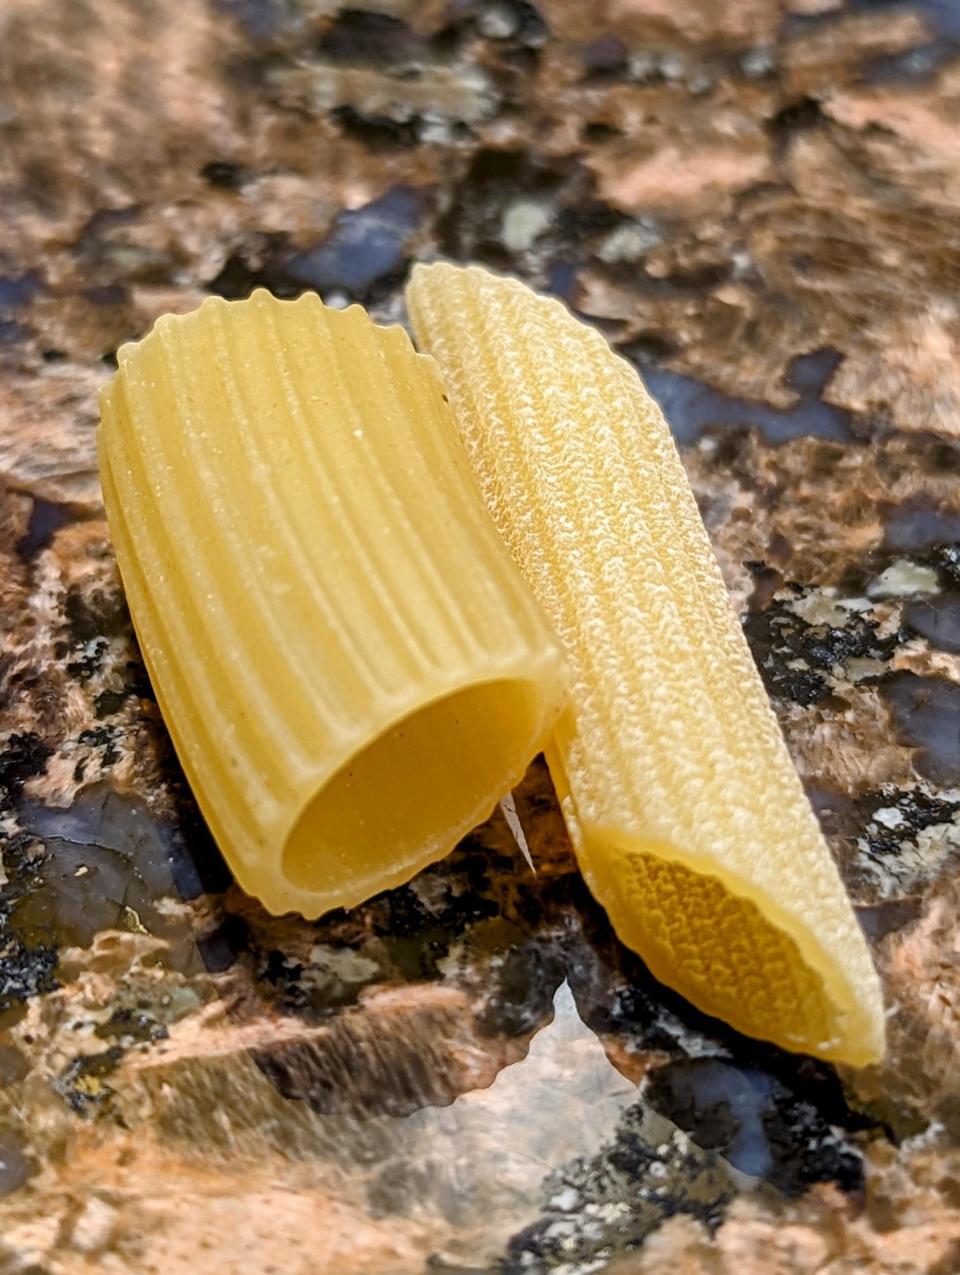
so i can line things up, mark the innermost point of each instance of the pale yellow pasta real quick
(688, 818)
(350, 665)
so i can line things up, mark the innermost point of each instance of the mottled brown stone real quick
(815, 59)
(757, 203)
(751, 22)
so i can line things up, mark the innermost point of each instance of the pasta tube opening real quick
(426, 781)
(702, 933)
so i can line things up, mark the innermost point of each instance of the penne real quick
(351, 667)
(689, 821)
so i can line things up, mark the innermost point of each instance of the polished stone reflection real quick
(471, 1066)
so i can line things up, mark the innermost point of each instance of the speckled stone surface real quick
(757, 202)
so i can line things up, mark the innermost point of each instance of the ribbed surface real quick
(307, 561)
(689, 820)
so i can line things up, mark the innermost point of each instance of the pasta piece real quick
(350, 665)
(687, 816)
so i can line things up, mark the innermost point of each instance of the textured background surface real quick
(757, 203)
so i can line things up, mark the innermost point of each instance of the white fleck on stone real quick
(931, 1135)
(348, 966)
(434, 891)
(336, 300)
(94, 1227)
(860, 666)
(560, 1230)
(434, 129)
(819, 607)
(741, 263)
(672, 66)
(642, 65)
(889, 817)
(497, 22)
(903, 579)
(171, 908)
(613, 1210)
(700, 82)
(450, 965)
(565, 1200)
(481, 100)
(758, 61)
(628, 242)
(938, 839)
(524, 221)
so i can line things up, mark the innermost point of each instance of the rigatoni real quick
(352, 669)
(688, 818)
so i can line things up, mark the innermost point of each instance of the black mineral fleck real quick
(83, 1083)
(756, 1121)
(606, 1205)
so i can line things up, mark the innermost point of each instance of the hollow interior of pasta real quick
(715, 946)
(406, 797)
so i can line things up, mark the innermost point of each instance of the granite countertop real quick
(757, 203)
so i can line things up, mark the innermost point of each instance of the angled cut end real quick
(688, 818)
(737, 954)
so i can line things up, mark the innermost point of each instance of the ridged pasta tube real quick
(689, 821)
(349, 662)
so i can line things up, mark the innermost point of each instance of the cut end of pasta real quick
(733, 956)
(404, 799)
(688, 818)
(349, 663)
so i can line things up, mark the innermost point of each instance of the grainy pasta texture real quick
(349, 662)
(687, 816)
